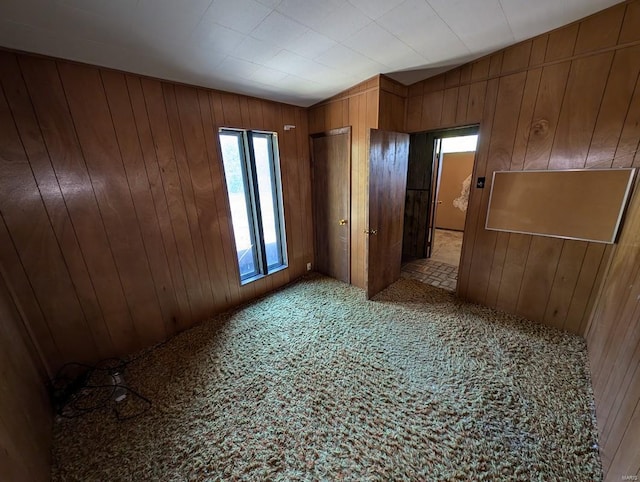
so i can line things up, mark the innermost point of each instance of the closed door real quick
(388, 157)
(331, 157)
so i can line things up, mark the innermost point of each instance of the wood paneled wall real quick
(25, 413)
(376, 103)
(114, 221)
(562, 100)
(358, 108)
(566, 99)
(613, 339)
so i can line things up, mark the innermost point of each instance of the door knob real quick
(373, 231)
(439, 202)
(342, 222)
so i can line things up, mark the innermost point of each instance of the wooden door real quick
(388, 157)
(331, 157)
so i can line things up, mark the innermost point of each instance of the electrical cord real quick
(79, 388)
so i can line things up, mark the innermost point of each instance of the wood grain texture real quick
(361, 114)
(330, 157)
(388, 157)
(579, 108)
(25, 413)
(129, 237)
(614, 349)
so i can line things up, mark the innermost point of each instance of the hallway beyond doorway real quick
(441, 270)
(447, 246)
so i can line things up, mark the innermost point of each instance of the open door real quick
(388, 158)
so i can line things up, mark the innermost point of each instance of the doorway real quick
(440, 173)
(331, 161)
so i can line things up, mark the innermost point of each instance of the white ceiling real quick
(294, 51)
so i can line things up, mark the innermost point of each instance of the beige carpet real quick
(316, 383)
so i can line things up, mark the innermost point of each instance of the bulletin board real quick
(583, 204)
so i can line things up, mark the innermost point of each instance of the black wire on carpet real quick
(79, 389)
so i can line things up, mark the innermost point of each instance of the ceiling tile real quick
(278, 29)
(341, 23)
(375, 8)
(486, 29)
(266, 75)
(31, 13)
(86, 25)
(270, 3)
(311, 44)
(154, 7)
(345, 59)
(308, 12)
(292, 63)
(376, 43)
(240, 15)
(217, 37)
(233, 67)
(164, 27)
(101, 7)
(419, 26)
(290, 50)
(254, 50)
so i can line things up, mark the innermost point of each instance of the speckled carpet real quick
(316, 383)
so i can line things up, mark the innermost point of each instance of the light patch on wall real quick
(462, 202)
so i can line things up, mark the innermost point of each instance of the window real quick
(252, 172)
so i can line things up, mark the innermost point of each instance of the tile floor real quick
(432, 272)
(441, 269)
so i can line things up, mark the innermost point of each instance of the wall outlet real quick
(308, 266)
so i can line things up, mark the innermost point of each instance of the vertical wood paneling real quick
(45, 177)
(561, 42)
(364, 106)
(449, 107)
(472, 222)
(129, 145)
(293, 216)
(545, 115)
(579, 108)
(26, 219)
(600, 31)
(26, 301)
(538, 50)
(207, 298)
(25, 413)
(304, 177)
(616, 103)
(182, 311)
(129, 236)
(509, 98)
(94, 127)
(207, 226)
(614, 349)
(53, 117)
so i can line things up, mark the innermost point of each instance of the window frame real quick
(252, 199)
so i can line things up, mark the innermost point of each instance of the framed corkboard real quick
(582, 204)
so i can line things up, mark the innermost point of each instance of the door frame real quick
(437, 171)
(333, 132)
(432, 138)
